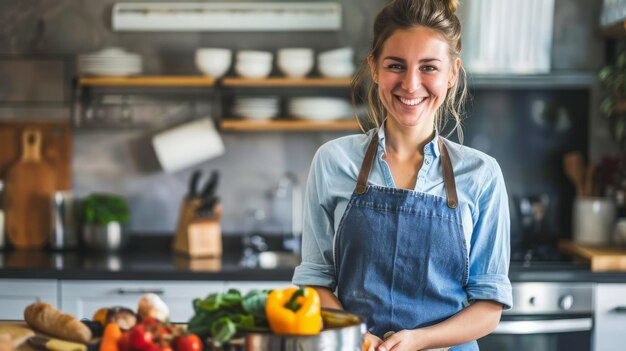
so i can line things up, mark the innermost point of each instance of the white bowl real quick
(254, 55)
(345, 54)
(294, 53)
(295, 68)
(337, 70)
(213, 62)
(253, 70)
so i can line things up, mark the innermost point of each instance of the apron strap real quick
(446, 170)
(366, 166)
(448, 175)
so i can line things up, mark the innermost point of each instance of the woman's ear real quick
(455, 72)
(373, 69)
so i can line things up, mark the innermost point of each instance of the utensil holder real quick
(593, 220)
(198, 237)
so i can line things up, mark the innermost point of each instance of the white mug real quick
(593, 220)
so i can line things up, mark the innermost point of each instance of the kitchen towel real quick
(187, 145)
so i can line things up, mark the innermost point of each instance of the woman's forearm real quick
(327, 298)
(473, 322)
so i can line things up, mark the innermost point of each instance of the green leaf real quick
(607, 106)
(254, 302)
(105, 208)
(605, 73)
(222, 330)
(242, 321)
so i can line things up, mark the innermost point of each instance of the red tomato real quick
(141, 337)
(188, 342)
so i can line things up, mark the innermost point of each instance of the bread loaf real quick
(49, 320)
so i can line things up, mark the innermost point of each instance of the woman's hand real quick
(370, 342)
(404, 340)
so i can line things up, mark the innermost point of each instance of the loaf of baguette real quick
(47, 319)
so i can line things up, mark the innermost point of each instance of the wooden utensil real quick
(575, 170)
(29, 184)
(56, 142)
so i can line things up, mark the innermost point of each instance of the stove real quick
(545, 316)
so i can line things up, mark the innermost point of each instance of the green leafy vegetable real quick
(221, 315)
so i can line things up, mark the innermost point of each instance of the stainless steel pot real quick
(346, 334)
(108, 237)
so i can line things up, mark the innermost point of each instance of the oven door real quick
(540, 333)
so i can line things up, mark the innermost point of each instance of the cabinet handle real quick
(619, 309)
(122, 291)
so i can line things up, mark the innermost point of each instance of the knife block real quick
(198, 237)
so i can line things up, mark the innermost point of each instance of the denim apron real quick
(400, 255)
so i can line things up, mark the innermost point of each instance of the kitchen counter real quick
(150, 258)
(146, 258)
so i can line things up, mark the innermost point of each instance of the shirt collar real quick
(431, 148)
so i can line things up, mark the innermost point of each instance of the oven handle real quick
(544, 326)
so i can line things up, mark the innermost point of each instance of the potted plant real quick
(104, 222)
(613, 105)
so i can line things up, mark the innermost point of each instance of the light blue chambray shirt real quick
(483, 203)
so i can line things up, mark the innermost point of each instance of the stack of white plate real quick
(256, 107)
(110, 61)
(320, 108)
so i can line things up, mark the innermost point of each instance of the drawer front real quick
(610, 317)
(83, 298)
(16, 294)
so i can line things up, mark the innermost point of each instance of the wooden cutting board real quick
(602, 259)
(29, 187)
(56, 146)
(18, 334)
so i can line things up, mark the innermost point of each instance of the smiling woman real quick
(403, 227)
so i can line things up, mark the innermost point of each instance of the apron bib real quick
(400, 255)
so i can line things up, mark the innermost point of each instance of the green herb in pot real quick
(105, 208)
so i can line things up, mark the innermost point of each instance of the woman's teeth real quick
(411, 102)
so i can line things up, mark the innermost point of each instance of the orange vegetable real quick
(110, 338)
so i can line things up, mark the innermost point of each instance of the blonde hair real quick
(438, 15)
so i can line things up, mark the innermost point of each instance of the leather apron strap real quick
(446, 170)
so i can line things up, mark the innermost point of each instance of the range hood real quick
(259, 16)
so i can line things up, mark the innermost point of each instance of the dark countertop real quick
(150, 258)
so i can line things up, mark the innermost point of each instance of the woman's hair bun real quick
(452, 5)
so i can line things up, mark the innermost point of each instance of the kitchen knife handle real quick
(123, 291)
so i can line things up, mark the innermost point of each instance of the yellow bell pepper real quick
(294, 311)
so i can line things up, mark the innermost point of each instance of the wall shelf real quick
(148, 81)
(285, 124)
(617, 30)
(236, 82)
(565, 80)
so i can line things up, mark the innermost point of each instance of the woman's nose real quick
(411, 81)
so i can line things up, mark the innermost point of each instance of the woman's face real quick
(413, 73)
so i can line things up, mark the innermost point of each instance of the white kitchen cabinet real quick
(82, 298)
(16, 294)
(610, 317)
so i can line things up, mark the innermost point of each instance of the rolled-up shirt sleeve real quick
(317, 267)
(490, 243)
